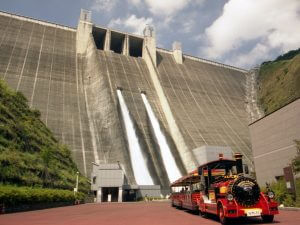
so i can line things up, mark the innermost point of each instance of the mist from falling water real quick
(167, 157)
(139, 166)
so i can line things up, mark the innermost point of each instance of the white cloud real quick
(103, 5)
(166, 7)
(198, 2)
(132, 23)
(135, 2)
(259, 53)
(268, 23)
(188, 25)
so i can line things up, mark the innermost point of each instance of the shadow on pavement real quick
(242, 221)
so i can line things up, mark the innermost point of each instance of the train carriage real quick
(222, 188)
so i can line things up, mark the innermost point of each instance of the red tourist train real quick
(220, 187)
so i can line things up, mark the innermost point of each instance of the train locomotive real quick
(222, 187)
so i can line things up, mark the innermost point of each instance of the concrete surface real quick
(73, 84)
(154, 213)
(208, 103)
(40, 61)
(273, 141)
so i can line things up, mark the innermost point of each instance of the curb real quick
(289, 208)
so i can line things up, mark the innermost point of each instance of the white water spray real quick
(140, 170)
(167, 157)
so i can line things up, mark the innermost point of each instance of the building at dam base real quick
(274, 140)
(109, 184)
(71, 75)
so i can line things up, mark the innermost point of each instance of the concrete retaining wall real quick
(273, 141)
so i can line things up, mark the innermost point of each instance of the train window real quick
(196, 187)
(200, 171)
(233, 170)
(246, 169)
(179, 189)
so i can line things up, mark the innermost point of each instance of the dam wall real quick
(40, 61)
(108, 144)
(207, 101)
(132, 75)
(72, 76)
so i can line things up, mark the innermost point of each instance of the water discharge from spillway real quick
(166, 154)
(139, 165)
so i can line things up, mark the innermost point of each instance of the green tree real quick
(296, 160)
(46, 157)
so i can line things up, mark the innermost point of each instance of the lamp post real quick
(77, 174)
(76, 189)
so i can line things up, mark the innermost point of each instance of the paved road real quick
(144, 213)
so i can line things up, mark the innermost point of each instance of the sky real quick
(242, 33)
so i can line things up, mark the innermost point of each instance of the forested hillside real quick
(29, 153)
(279, 81)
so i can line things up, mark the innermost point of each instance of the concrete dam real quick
(72, 76)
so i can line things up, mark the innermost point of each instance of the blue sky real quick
(242, 33)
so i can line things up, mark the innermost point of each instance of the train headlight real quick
(271, 194)
(223, 190)
(229, 197)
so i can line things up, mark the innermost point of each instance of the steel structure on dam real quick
(71, 75)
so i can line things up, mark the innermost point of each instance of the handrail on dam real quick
(153, 64)
(206, 61)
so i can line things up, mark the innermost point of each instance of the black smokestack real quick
(239, 162)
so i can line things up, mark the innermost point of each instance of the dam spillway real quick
(71, 75)
(138, 162)
(166, 154)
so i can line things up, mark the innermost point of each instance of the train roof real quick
(190, 178)
(193, 177)
(217, 161)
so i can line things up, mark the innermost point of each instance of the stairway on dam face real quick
(253, 109)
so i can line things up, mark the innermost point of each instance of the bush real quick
(296, 160)
(15, 196)
(298, 192)
(289, 55)
(282, 196)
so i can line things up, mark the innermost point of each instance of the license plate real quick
(253, 212)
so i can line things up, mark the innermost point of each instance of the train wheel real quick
(180, 205)
(202, 214)
(222, 217)
(267, 218)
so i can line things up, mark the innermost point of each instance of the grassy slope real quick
(279, 82)
(29, 153)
